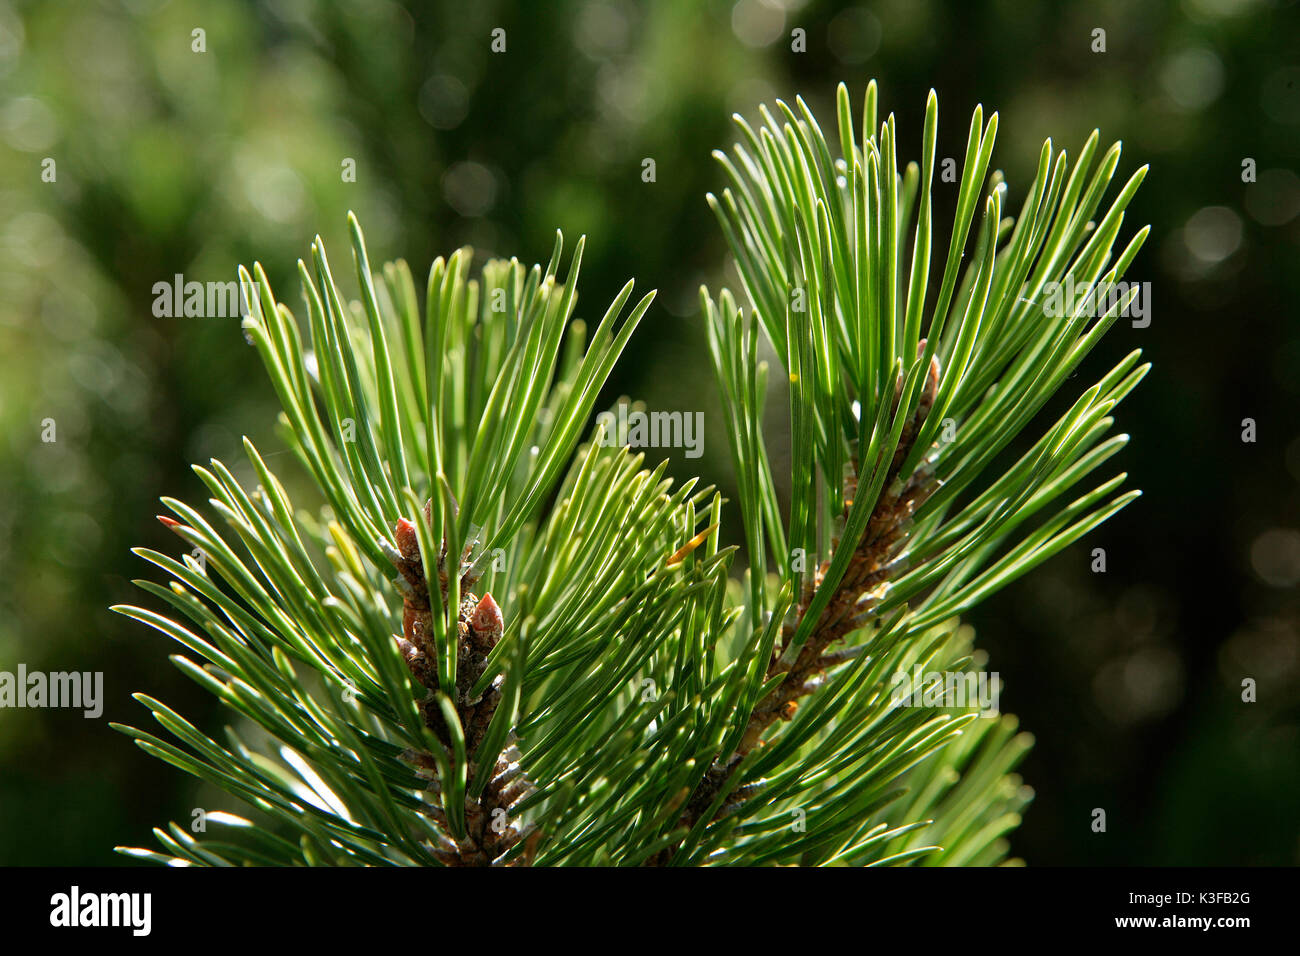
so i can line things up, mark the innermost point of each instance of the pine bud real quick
(408, 542)
(930, 391)
(486, 621)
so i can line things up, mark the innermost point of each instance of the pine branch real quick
(586, 684)
(479, 628)
(818, 247)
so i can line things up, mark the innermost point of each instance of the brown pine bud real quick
(486, 622)
(930, 391)
(408, 541)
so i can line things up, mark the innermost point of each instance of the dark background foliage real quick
(171, 161)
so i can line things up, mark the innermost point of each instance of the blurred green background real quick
(173, 161)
